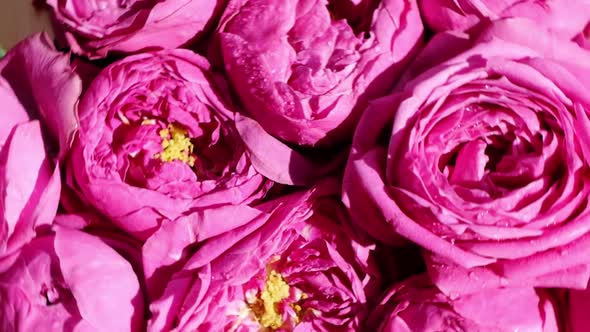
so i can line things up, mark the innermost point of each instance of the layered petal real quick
(286, 270)
(417, 305)
(95, 28)
(157, 140)
(306, 69)
(39, 91)
(70, 281)
(566, 18)
(480, 157)
(47, 86)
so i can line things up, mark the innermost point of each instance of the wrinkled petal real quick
(305, 69)
(95, 28)
(479, 157)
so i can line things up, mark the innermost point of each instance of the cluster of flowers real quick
(298, 165)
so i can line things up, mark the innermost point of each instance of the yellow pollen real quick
(176, 146)
(298, 312)
(265, 308)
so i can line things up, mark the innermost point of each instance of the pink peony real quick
(70, 281)
(305, 69)
(38, 93)
(285, 270)
(566, 17)
(417, 305)
(481, 157)
(157, 140)
(94, 28)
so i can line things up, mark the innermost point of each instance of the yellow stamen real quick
(265, 308)
(176, 146)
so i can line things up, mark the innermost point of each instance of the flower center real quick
(265, 307)
(176, 145)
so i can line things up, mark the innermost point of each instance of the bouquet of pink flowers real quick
(298, 165)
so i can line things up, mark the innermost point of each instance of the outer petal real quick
(46, 85)
(15, 114)
(281, 163)
(416, 305)
(93, 31)
(564, 17)
(104, 285)
(29, 186)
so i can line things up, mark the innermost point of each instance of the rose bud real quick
(95, 28)
(157, 139)
(305, 69)
(481, 157)
(285, 270)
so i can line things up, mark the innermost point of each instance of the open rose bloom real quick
(417, 305)
(38, 92)
(305, 69)
(482, 159)
(286, 270)
(157, 140)
(94, 28)
(564, 17)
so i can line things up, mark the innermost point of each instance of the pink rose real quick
(157, 140)
(481, 157)
(38, 93)
(70, 281)
(305, 69)
(417, 305)
(94, 28)
(284, 270)
(566, 17)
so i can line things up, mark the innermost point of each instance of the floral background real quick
(295, 165)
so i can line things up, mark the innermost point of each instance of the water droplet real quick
(563, 252)
(472, 275)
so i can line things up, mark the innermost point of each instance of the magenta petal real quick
(14, 114)
(29, 187)
(43, 76)
(276, 160)
(103, 283)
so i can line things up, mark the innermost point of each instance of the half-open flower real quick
(306, 69)
(483, 159)
(94, 28)
(284, 271)
(157, 139)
